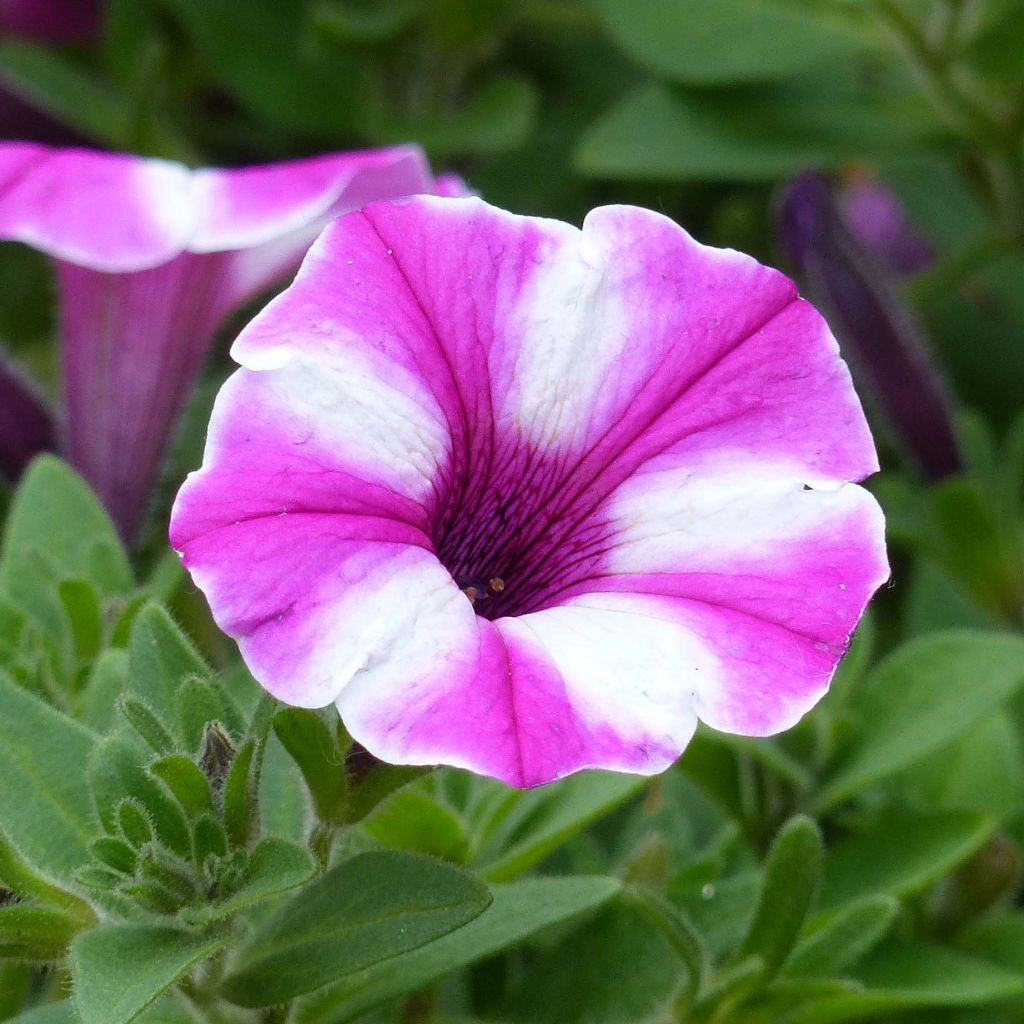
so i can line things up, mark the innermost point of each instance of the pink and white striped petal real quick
(105, 211)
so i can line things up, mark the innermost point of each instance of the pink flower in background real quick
(151, 257)
(526, 499)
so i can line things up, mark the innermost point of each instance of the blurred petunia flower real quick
(526, 499)
(878, 335)
(150, 258)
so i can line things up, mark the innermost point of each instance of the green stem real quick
(965, 113)
(970, 111)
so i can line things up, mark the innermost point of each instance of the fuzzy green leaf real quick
(714, 41)
(921, 697)
(44, 800)
(119, 969)
(56, 518)
(791, 879)
(367, 910)
(519, 910)
(315, 750)
(160, 656)
(541, 820)
(274, 866)
(901, 853)
(842, 937)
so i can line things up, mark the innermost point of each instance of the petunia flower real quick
(150, 258)
(527, 499)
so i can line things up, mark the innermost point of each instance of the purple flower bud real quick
(876, 218)
(875, 330)
(26, 426)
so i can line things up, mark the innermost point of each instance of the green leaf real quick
(160, 656)
(582, 979)
(999, 939)
(196, 705)
(995, 52)
(274, 866)
(258, 52)
(119, 969)
(543, 819)
(241, 804)
(53, 84)
(983, 770)
(715, 41)
(284, 802)
(82, 605)
(315, 750)
(791, 877)
(210, 839)
(189, 785)
(368, 909)
(519, 910)
(379, 783)
(44, 800)
(901, 976)
(722, 910)
(35, 933)
(901, 853)
(352, 23)
(54, 1013)
(838, 939)
(497, 117)
(55, 515)
(115, 773)
(133, 822)
(750, 133)
(681, 935)
(147, 725)
(922, 696)
(105, 683)
(115, 853)
(412, 820)
(19, 877)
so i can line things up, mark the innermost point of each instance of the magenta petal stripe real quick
(527, 499)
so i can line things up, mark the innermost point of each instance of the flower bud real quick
(875, 330)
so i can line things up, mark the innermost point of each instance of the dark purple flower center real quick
(514, 534)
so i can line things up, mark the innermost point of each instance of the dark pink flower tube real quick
(150, 258)
(526, 499)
